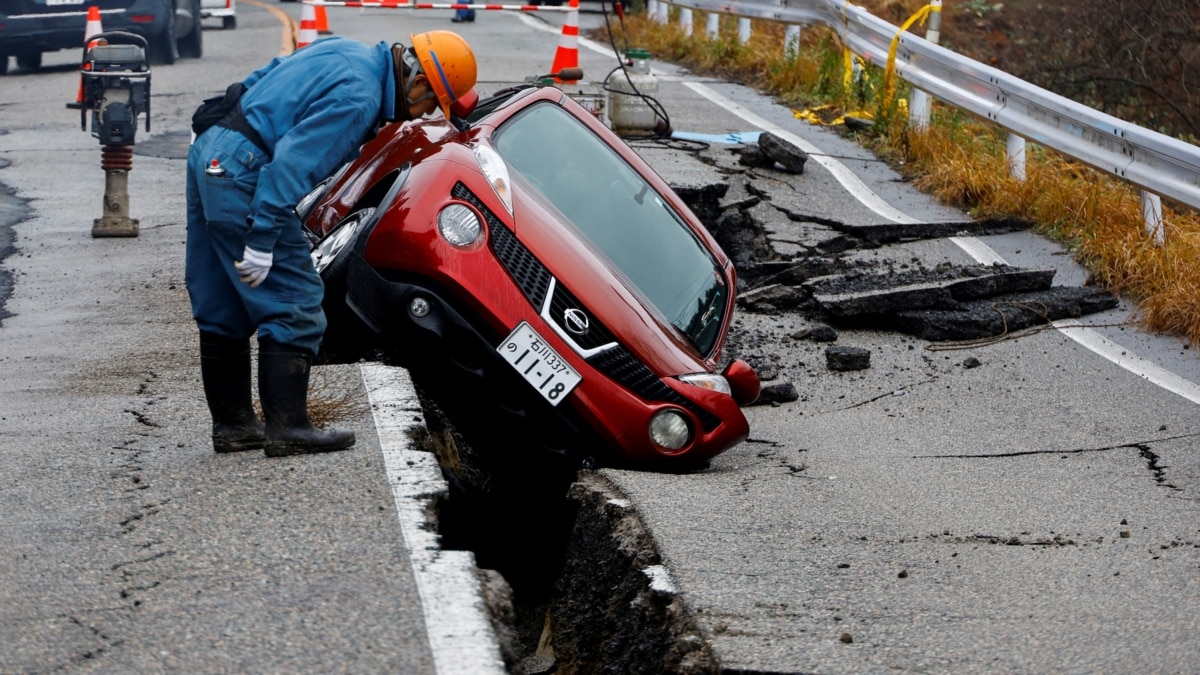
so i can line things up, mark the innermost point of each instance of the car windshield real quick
(625, 219)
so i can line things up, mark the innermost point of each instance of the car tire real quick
(229, 22)
(29, 60)
(191, 46)
(3, 64)
(164, 49)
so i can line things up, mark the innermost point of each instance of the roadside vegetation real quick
(961, 160)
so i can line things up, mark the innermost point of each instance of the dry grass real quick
(331, 401)
(961, 161)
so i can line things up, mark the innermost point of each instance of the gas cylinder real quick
(626, 109)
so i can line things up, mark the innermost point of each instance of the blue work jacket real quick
(314, 109)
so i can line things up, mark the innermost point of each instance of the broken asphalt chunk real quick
(843, 358)
(771, 298)
(850, 295)
(997, 316)
(774, 394)
(790, 157)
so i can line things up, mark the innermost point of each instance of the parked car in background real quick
(29, 28)
(539, 280)
(226, 10)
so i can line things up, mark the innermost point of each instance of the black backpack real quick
(214, 109)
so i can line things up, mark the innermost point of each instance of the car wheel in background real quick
(191, 46)
(164, 50)
(3, 64)
(229, 22)
(29, 60)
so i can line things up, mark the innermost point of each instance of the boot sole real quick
(240, 445)
(278, 449)
(236, 447)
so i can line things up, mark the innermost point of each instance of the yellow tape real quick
(890, 72)
(814, 115)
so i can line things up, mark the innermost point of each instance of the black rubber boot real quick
(225, 370)
(283, 388)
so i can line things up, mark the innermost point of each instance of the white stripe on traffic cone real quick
(308, 27)
(567, 55)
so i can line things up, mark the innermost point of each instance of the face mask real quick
(404, 59)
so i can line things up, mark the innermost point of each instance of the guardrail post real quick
(712, 25)
(1015, 148)
(791, 40)
(655, 10)
(743, 30)
(1152, 214)
(685, 21)
(921, 106)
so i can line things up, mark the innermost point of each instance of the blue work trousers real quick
(286, 306)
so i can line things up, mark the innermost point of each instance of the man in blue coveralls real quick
(248, 263)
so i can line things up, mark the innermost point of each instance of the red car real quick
(534, 275)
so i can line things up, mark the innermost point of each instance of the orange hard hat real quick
(448, 63)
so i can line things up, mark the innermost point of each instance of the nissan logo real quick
(576, 321)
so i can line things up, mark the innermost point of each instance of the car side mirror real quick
(743, 382)
(463, 106)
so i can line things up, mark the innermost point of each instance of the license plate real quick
(539, 364)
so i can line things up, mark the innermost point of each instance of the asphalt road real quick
(1036, 513)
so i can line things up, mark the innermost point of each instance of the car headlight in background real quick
(496, 172)
(459, 226)
(708, 381)
(670, 429)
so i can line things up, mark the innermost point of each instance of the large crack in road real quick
(576, 589)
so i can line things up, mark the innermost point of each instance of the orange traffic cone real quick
(322, 20)
(567, 55)
(93, 27)
(308, 27)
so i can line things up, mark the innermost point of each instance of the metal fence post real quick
(1015, 149)
(921, 106)
(1152, 214)
(791, 40)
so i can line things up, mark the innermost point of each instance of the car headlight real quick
(496, 172)
(670, 429)
(305, 206)
(708, 381)
(459, 226)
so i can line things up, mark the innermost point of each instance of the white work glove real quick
(253, 267)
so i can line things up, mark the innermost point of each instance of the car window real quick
(618, 211)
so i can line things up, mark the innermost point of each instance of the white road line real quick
(840, 172)
(460, 633)
(1128, 360)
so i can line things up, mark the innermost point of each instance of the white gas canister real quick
(626, 109)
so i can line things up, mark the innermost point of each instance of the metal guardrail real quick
(1154, 162)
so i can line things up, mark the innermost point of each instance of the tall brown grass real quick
(961, 161)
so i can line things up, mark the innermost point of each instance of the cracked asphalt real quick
(1023, 505)
(1012, 505)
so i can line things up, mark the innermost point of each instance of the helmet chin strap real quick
(406, 60)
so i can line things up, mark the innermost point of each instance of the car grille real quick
(534, 280)
(531, 276)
